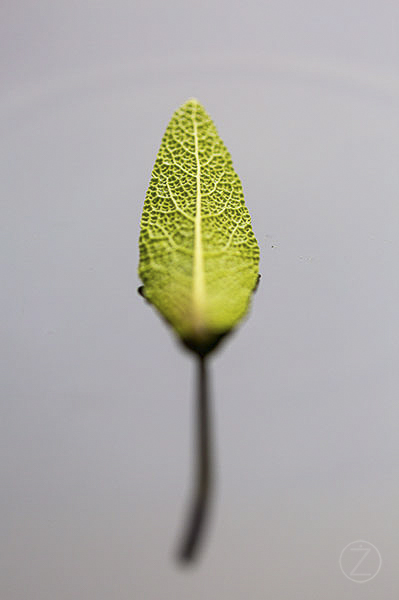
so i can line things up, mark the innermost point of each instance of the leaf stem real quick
(203, 477)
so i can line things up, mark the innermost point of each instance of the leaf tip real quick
(192, 101)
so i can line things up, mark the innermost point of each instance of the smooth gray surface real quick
(97, 398)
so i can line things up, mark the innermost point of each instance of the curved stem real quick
(203, 477)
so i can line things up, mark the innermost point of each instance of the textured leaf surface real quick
(198, 254)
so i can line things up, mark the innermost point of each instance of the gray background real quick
(97, 397)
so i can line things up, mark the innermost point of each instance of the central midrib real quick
(198, 267)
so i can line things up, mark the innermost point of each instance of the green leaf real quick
(198, 254)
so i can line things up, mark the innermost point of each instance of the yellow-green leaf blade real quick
(198, 254)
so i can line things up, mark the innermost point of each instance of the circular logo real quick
(360, 561)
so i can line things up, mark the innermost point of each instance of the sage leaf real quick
(198, 254)
(198, 264)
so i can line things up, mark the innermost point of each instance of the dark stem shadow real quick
(199, 510)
